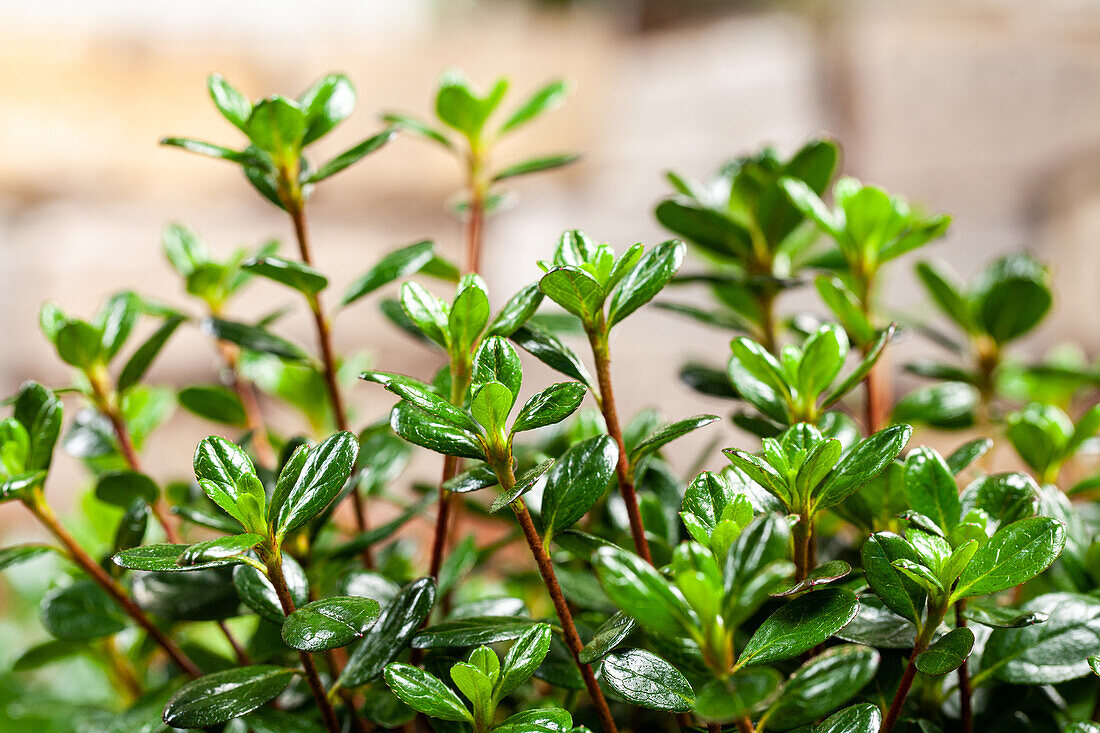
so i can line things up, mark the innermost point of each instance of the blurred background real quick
(987, 110)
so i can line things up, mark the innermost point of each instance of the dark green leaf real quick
(472, 631)
(329, 623)
(523, 659)
(900, 594)
(668, 433)
(550, 406)
(258, 594)
(296, 275)
(1011, 296)
(320, 479)
(1015, 554)
(547, 348)
(823, 684)
(610, 634)
(543, 720)
(864, 462)
(496, 361)
(141, 359)
(536, 165)
(741, 694)
(424, 693)
(516, 312)
(170, 558)
(395, 265)
(426, 311)
(352, 155)
(199, 147)
(1051, 652)
(213, 402)
(644, 679)
(420, 428)
(647, 278)
(821, 575)
(1005, 497)
(525, 483)
(217, 698)
(638, 589)
(950, 405)
(930, 487)
(388, 637)
(999, 617)
(862, 718)
(253, 338)
(947, 653)
(577, 480)
(575, 290)
(967, 453)
(799, 625)
(121, 488)
(80, 611)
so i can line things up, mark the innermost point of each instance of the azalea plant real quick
(843, 562)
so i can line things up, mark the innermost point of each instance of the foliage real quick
(834, 573)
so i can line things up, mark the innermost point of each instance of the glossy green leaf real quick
(864, 462)
(863, 718)
(420, 428)
(1011, 296)
(523, 659)
(393, 266)
(296, 275)
(523, 484)
(233, 105)
(472, 631)
(321, 478)
(743, 693)
(40, 412)
(326, 104)
(648, 277)
(544, 100)
(200, 147)
(418, 127)
(278, 127)
(139, 363)
(469, 313)
(425, 693)
(548, 348)
(516, 312)
(823, 684)
(638, 589)
(329, 623)
(399, 620)
(19, 554)
(967, 453)
(1050, 652)
(78, 344)
(121, 488)
(947, 653)
(353, 155)
(575, 290)
(213, 402)
(496, 361)
(217, 698)
(577, 481)
(644, 679)
(608, 636)
(821, 575)
(799, 625)
(668, 433)
(490, 406)
(459, 106)
(258, 594)
(80, 611)
(1000, 617)
(253, 338)
(543, 720)
(550, 406)
(1005, 497)
(930, 487)
(862, 369)
(1015, 554)
(427, 312)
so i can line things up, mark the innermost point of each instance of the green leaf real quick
(278, 127)
(143, 357)
(548, 348)
(233, 105)
(949, 406)
(220, 468)
(327, 103)
(523, 659)
(39, 411)
(862, 369)
(114, 321)
(121, 488)
(823, 684)
(329, 623)
(1005, 497)
(459, 106)
(610, 634)
(864, 462)
(213, 402)
(999, 617)
(169, 558)
(823, 355)
(576, 482)
(757, 377)
(575, 290)
(395, 265)
(946, 291)
(846, 307)
(800, 625)
(78, 344)
(536, 165)
(543, 720)
(947, 653)
(746, 691)
(424, 130)
(644, 679)
(525, 483)
(472, 631)
(220, 697)
(322, 476)
(422, 429)
(516, 312)
(550, 406)
(668, 433)
(80, 611)
(421, 396)
(1050, 652)
(388, 637)
(821, 575)
(1011, 296)
(638, 589)
(1015, 554)
(542, 101)
(352, 155)
(477, 687)
(19, 554)
(426, 311)
(296, 275)
(490, 406)
(645, 280)
(862, 718)
(967, 453)
(901, 595)
(424, 693)
(200, 147)
(497, 361)
(253, 338)
(258, 594)
(930, 487)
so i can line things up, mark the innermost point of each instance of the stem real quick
(476, 187)
(460, 382)
(892, 715)
(546, 569)
(769, 330)
(44, 513)
(744, 724)
(253, 415)
(877, 381)
(601, 354)
(275, 574)
(966, 714)
(714, 728)
(802, 534)
(121, 668)
(328, 358)
(238, 650)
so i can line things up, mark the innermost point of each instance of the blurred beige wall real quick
(990, 111)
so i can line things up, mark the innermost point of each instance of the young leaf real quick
(1015, 554)
(516, 312)
(575, 290)
(352, 155)
(426, 311)
(542, 101)
(490, 406)
(218, 698)
(420, 396)
(78, 344)
(800, 625)
(535, 165)
(326, 104)
(497, 361)
(523, 659)
(644, 679)
(323, 475)
(647, 278)
(233, 105)
(930, 487)
(967, 453)
(901, 595)
(864, 462)
(329, 623)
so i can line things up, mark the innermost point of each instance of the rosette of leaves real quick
(957, 547)
(869, 228)
(801, 383)
(463, 113)
(1045, 438)
(744, 223)
(1005, 301)
(484, 680)
(693, 610)
(808, 473)
(278, 131)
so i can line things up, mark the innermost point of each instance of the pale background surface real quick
(990, 111)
